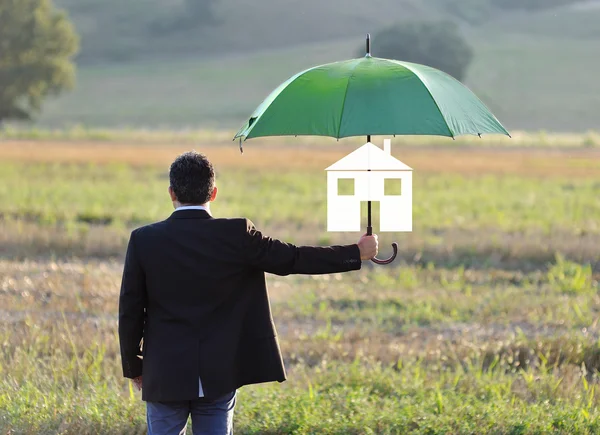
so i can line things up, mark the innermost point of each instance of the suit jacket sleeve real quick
(132, 303)
(280, 258)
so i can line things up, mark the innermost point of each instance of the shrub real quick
(436, 44)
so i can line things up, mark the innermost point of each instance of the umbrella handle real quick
(389, 260)
(377, 260)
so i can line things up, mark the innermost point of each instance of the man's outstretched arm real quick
(132, 303)
(281, 258)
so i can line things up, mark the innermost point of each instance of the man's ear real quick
(172, 194)
(214, 194)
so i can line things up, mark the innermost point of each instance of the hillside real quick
(536, 70)
(113, 30)
(116, 30)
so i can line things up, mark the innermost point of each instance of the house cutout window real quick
(346, 187)
(392, 187)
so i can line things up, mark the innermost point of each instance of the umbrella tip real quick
(368, 45)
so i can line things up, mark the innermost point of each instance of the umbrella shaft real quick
(369, 227)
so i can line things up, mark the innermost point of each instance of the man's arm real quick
(280, 258)
(132, 303)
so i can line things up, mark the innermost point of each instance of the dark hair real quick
(192, 178)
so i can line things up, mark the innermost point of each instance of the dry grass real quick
(336, 318)
(476, 249)
(263, 155)
(79, 133)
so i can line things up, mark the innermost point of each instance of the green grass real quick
(437, 299)
(488, 322)
(361, 400)
(475, 219)
(487, 362)
(124, 195)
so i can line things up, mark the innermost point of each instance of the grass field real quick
(487, 324)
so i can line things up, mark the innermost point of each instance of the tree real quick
(473, 12)
(436, 44)
(201, 11)
(37, 43)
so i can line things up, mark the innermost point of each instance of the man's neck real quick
(179, 206)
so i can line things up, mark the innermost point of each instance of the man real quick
(194, 289)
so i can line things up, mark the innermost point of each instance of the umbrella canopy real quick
(371, 96)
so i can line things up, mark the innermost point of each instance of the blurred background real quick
(208, 63)
(489, 320)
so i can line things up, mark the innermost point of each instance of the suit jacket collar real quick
(190, 214)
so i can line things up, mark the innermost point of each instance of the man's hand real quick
(137, 382)
(369, 246)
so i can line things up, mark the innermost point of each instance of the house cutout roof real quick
(369, 156)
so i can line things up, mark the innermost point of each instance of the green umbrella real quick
(371, 96)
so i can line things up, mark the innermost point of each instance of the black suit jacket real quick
(194, 288)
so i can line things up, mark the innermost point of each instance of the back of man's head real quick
(192, 178)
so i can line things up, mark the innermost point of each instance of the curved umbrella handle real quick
(389, 260)
(394, 246)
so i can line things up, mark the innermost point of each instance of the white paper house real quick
(369, 167)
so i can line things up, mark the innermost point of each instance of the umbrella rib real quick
(246, 131)
(344, 100)
(428, 91)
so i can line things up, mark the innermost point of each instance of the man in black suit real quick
(194, 313)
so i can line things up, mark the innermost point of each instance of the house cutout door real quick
(375, 214)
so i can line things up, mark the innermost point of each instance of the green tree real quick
(436, 44)
(37, 43)
(473, 12)
(202, 11)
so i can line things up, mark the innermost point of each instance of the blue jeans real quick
(208, 417)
